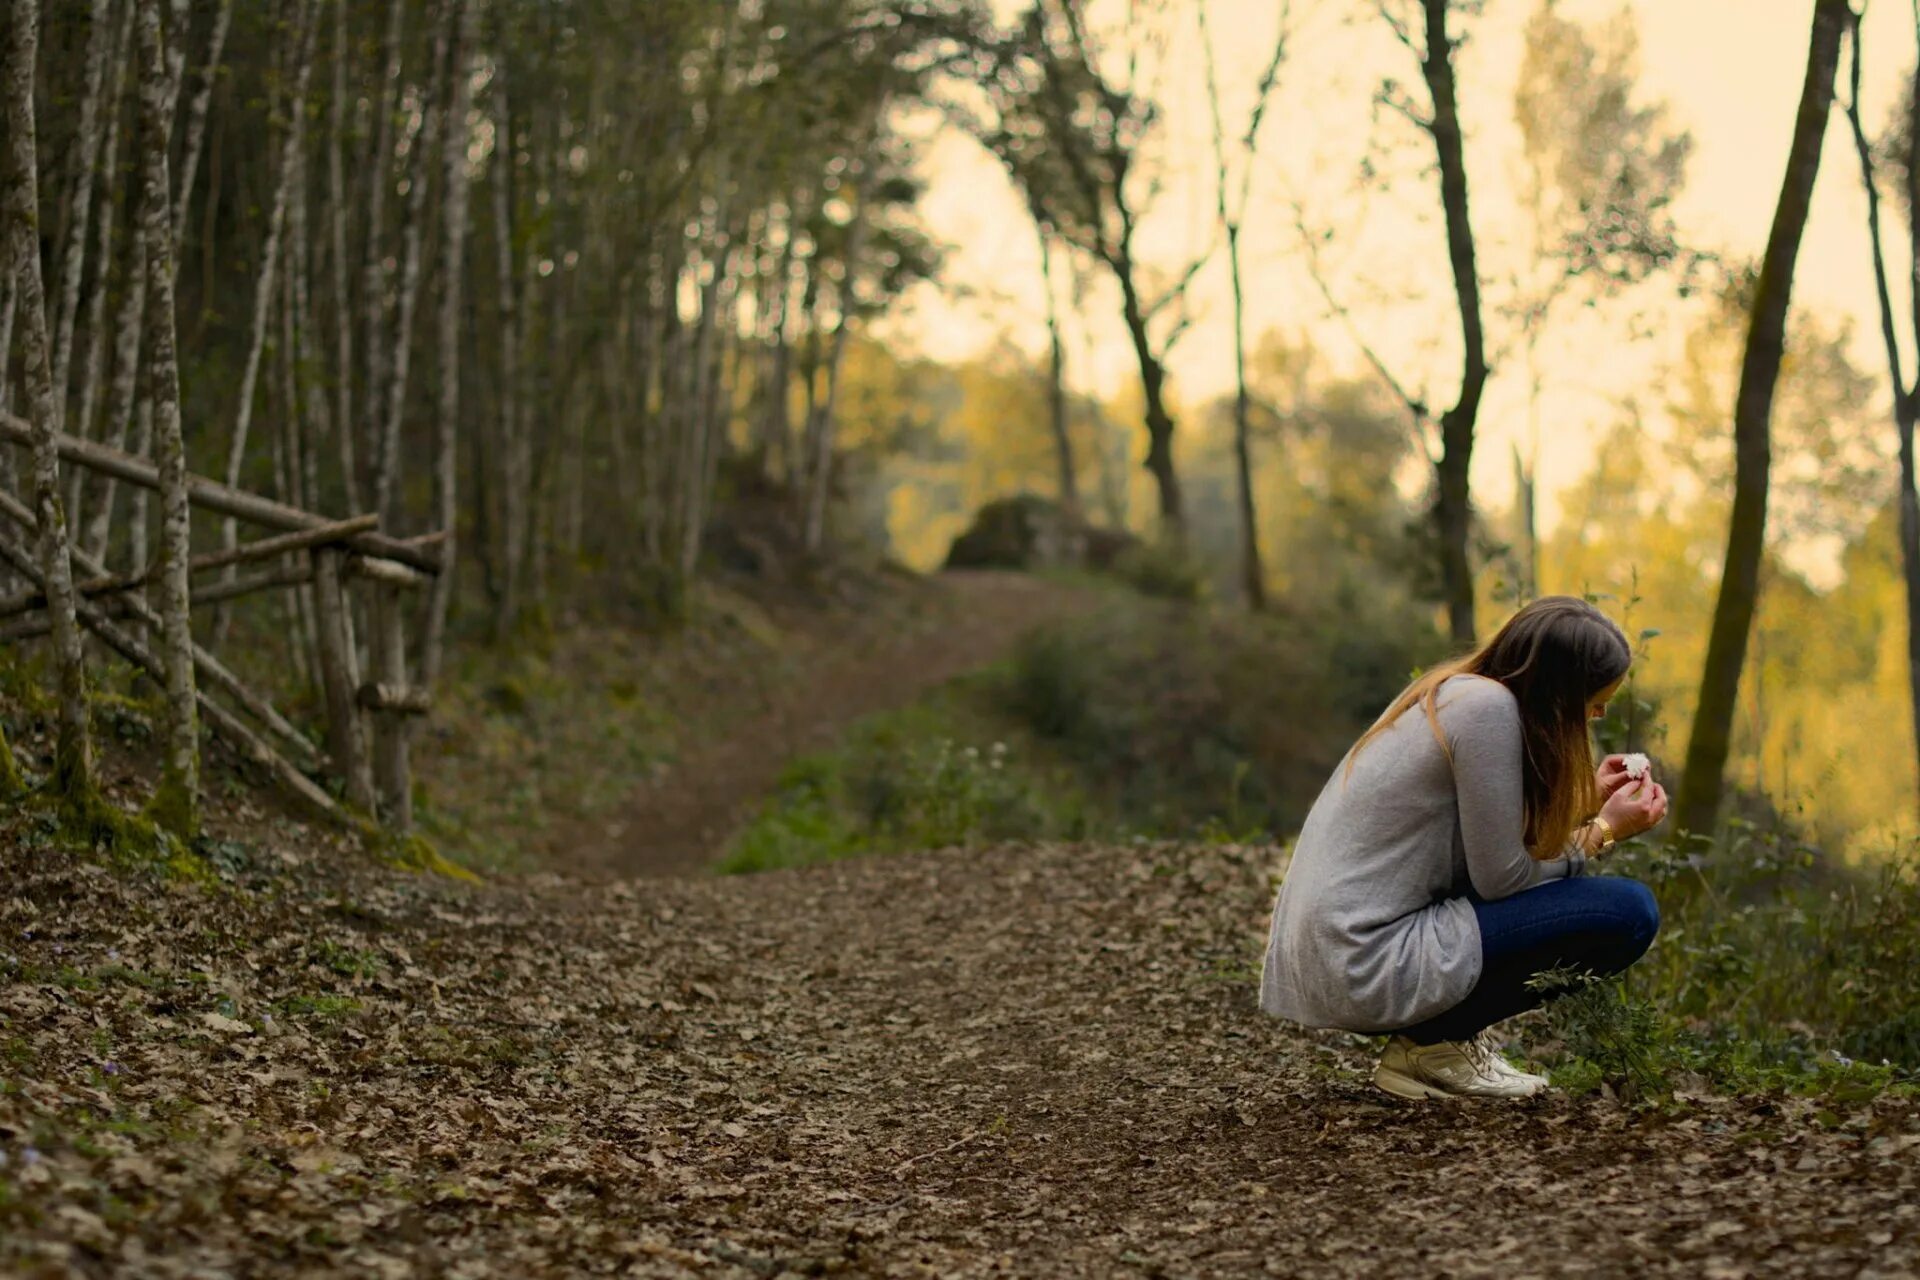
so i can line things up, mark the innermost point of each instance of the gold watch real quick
(1607, 838)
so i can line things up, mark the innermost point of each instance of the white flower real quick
(1637, 765)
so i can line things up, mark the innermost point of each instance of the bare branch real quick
(1316, 270)
(1902, 394)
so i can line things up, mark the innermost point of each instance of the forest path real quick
(679, 821)
(1029, 1061)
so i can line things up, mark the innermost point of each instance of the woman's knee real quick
(1638, 912)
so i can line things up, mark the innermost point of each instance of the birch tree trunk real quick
(176, 804)
(292, 156)
(197, 123)
(123, 393)
(453, 245)
(95, 310)
(820, 481)
(373, 286)
(513, 460)
(73, 758)
(96, 322)
(386, 459)
(86, 155)
(337, 230)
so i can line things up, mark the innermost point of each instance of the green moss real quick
(11, 786)
(174, 807)
(416, 853)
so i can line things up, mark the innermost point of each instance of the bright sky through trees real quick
(1728, 69)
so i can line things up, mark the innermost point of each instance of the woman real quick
(1445, 863)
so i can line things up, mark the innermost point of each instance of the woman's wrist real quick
(1604, 834)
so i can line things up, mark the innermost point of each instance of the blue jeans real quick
(1600, 924)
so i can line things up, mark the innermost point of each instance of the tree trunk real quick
(338, 201)
(96, 324)
(1906, 399)
(453, 245)
(513, 459)
(176, 804)
(373, 287)
(386, 447)
(86, 154)
(292, 156)
(1708, 746)
(1253, 576)
(197, 123)
(73, 760)
(122, 395)
(1057, 384)
(1454, 510)
(1153, 386)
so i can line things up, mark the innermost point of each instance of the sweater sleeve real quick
(1482, 723)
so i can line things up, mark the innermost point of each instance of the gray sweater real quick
(1372, 931)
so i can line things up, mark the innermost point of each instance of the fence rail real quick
(371, 702)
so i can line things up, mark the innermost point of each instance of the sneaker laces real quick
(1481, 1051)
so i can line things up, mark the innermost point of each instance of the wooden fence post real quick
(346, 736)
(391, 765)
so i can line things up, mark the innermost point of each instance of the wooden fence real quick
(353, 571)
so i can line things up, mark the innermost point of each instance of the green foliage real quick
(1612, 1037)
(1162, 569)
(901, 784)
(11, 784)
(1774, 970)
(1187, 720)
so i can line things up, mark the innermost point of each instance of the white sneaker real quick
(1501, 1066)
(1450, 1069)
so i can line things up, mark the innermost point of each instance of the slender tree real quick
(1906, 395)
(305, 23)
(86, 153)
(1231, 210)
(1071, 137)
(1057, 418)
(176, 804)
(73, 758)
(1708, 744)
(453, 240)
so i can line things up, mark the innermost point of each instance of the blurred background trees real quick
(608, 301)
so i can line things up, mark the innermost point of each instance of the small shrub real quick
(1163, 570)
(1050, 688)
(1611, 1037)
(891, 792)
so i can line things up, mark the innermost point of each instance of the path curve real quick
(678, 822)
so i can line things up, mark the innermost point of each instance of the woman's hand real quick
(1612, 775)
(1637, 806)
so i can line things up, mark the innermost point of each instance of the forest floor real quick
(1041, 1060)
(1031, 1061)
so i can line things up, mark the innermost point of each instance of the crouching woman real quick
(1448, 860)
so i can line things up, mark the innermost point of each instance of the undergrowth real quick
(1774, 970)
(927, 777)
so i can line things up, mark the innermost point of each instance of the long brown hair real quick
(1554, 656)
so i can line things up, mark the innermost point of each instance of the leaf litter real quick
(1040, 1060)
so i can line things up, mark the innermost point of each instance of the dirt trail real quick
(679, 821)
(1037, 1062)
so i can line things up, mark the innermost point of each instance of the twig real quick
(962, 1141)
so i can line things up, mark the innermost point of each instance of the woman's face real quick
(1598, 707)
